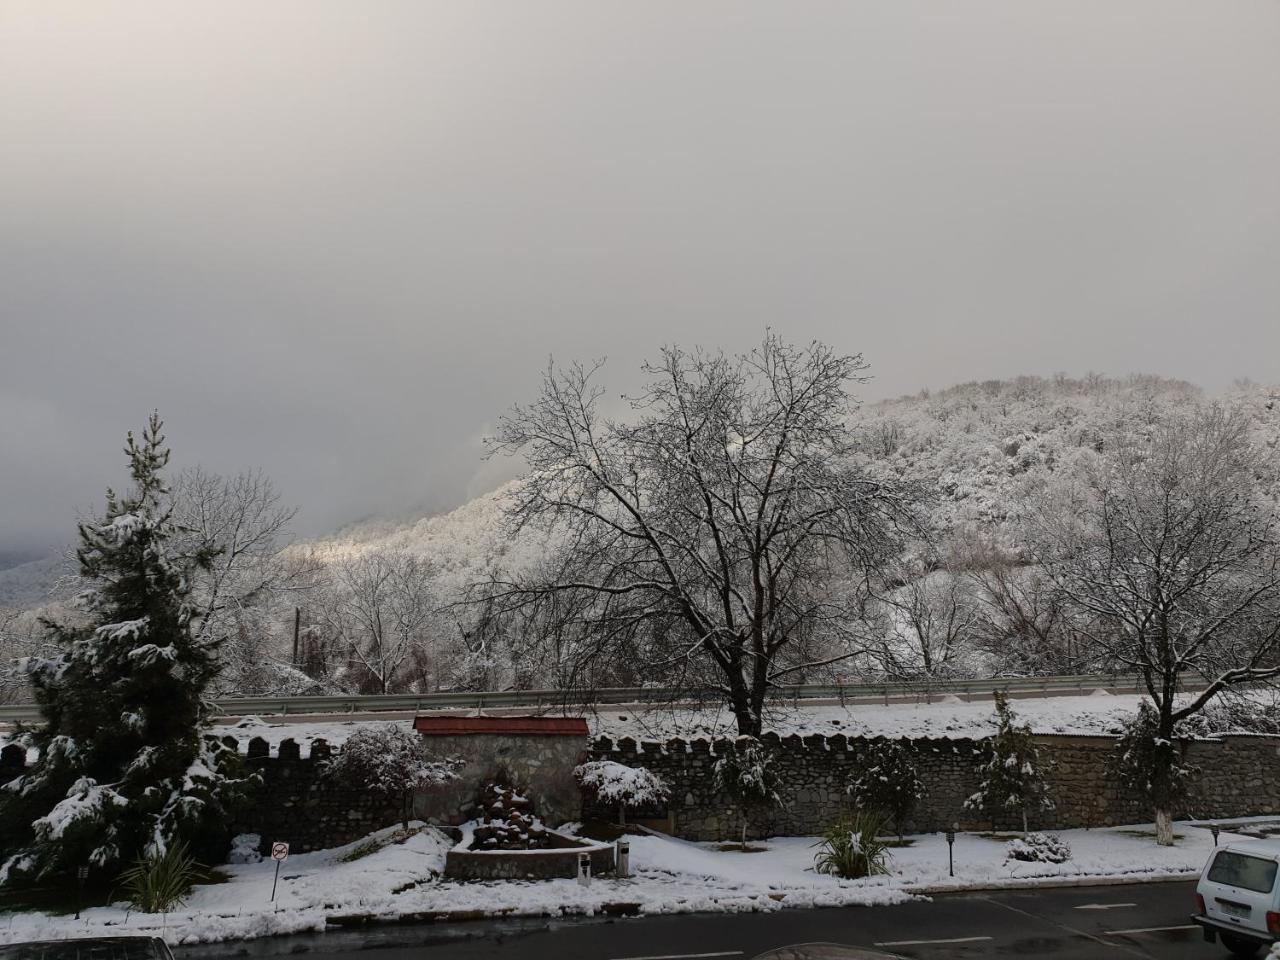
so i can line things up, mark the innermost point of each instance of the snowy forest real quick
(964, 543)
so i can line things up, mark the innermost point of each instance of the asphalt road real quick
(1076, 923)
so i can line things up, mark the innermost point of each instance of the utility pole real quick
(297, 622)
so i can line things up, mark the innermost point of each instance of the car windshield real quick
(1239, 870)
(141, 948)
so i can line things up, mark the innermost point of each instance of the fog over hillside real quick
(977, 448)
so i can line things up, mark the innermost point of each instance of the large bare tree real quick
(1173, 556)
(719, 533)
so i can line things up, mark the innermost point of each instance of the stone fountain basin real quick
(557, 861)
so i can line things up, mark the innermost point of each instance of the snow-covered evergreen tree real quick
(125, 766)
(1013, 772)
(889, 781)
(747, 776)
(612, 782)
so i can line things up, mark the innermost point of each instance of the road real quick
(1078, 923)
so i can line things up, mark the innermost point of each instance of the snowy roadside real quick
(401, 881)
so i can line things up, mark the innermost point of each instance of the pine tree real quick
(126, 768)
(1013, 773)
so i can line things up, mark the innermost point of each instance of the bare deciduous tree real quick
(720, 533)
(1175, 559)
(1024, 624)
(383, 612)
(242, 522)
(928, 627)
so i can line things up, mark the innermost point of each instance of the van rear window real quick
(1238, 870)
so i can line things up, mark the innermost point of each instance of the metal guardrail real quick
(262, 706)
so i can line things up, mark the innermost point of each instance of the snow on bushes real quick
(749, 778)
(888, 780)
(1039, 848)
(244, 848)
(626, 787)
(389, 760)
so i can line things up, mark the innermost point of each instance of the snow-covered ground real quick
(671, 876)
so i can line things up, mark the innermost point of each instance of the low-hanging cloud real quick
(335, 240)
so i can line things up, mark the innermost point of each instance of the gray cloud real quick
(335, 240)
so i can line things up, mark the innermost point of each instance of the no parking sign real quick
(279, 853)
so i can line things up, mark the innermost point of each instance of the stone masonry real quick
(1240, 777)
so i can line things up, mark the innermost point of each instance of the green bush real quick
(852, 848)
(159, 882)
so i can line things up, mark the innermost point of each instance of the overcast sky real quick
(336, 240)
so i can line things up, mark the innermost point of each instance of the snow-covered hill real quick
(976, 447)
(464, 544)
(35, 583)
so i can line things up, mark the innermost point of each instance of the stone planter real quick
(558, 861)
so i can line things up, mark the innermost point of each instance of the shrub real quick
(1039, 848)
(391, 761)
(616, 783)
(244, 848)
(748, 777)
(158, 882)
(852, 848)
(888, 780)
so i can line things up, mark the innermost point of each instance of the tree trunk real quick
(1164, 828)
(622, 814)
(1024, 822)
(744, 832)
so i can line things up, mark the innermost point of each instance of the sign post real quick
(279, 853)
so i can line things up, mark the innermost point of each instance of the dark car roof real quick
(87, 948)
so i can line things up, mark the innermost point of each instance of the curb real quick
(1043, 883)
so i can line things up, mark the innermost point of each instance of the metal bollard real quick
(584, 869)
(623, 858)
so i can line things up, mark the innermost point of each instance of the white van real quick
(1237, 897)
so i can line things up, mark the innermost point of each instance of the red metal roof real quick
(542, 726)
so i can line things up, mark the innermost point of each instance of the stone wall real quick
(294, 803)
(541, 765)
(1241, 777)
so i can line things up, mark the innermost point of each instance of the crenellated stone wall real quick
(1240, 777)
